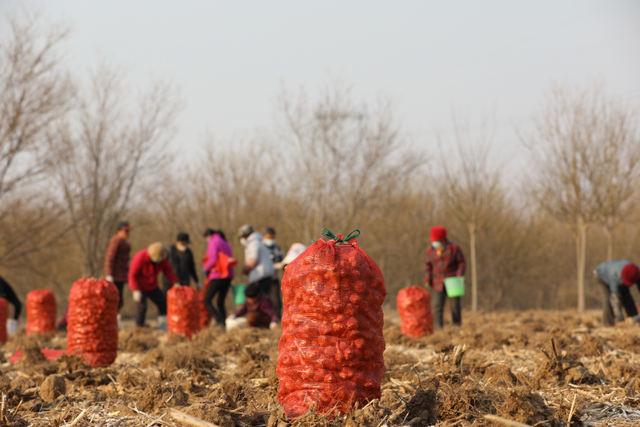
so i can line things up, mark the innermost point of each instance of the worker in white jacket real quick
(257, 261)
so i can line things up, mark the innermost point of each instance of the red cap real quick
(438, 233)
(630, 274)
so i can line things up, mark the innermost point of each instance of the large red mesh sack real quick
(4, 314)
(183, 311)
(93, 321)
(41, 312)
(205, 316)
(330, 353)
(414, 308)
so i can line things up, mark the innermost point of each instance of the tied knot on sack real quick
(339, 239)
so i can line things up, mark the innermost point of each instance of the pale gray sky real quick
(481, 57)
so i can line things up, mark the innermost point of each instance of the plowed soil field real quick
(535, 368)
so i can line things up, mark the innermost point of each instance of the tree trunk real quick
(581, 247)
(474, 273)
(610, 242)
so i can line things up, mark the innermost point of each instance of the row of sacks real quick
(93, 317)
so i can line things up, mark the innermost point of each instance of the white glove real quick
(109, 278)
(199, 286)
(137, 296)
(12, 326)
(273, 325)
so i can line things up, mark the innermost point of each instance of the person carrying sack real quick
(218, 267)
(444, 259)
(143, 282)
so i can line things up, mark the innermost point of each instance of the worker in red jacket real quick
(116, 260)
(143, 282)
(444, 259)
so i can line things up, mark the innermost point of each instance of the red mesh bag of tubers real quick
(93, 321)
(41, 312)
(4, 314)
(414, 308)
(330, 353)
(183, 311)
(205, 316)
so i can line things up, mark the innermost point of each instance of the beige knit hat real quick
(156, 252)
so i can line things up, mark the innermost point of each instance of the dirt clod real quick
(53, 387)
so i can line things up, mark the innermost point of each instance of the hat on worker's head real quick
(124, 225)
(438, 233)
(245, 230)
(156, 252)
(630, 274)
(183, 237)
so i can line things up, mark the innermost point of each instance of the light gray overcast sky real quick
(481, 57)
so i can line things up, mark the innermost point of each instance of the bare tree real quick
(616, 163)
(470, 191)
(113, 149)
(338, 160)
(35, 92)
(564, 149)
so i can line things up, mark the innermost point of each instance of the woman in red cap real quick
(444, 259)
(616, 277)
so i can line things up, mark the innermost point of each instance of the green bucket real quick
(454, 286)
(238, 293)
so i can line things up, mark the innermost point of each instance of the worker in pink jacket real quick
(219, 279)
(143, 282)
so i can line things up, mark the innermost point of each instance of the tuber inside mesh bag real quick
(93, 321)
(4, 314)
(183, 311)
(205, 316)
(414, 308)
(330, 353)
(41, 312)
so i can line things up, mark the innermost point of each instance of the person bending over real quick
(616, 278)
(143, 282)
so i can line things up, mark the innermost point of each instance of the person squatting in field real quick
(258, 308)
(275, 253)
(181, 259)
(616, 278)
(116, 261)
(143, 282)
(444, 259)
(7, 292)
(257, 262)
(218, 268)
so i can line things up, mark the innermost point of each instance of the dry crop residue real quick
(537, 368)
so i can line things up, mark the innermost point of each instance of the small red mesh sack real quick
(93, 321)
(41, 312)
(183, 311)
(330, 353)
(4, 314)
(414, 308)
(205, 316)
